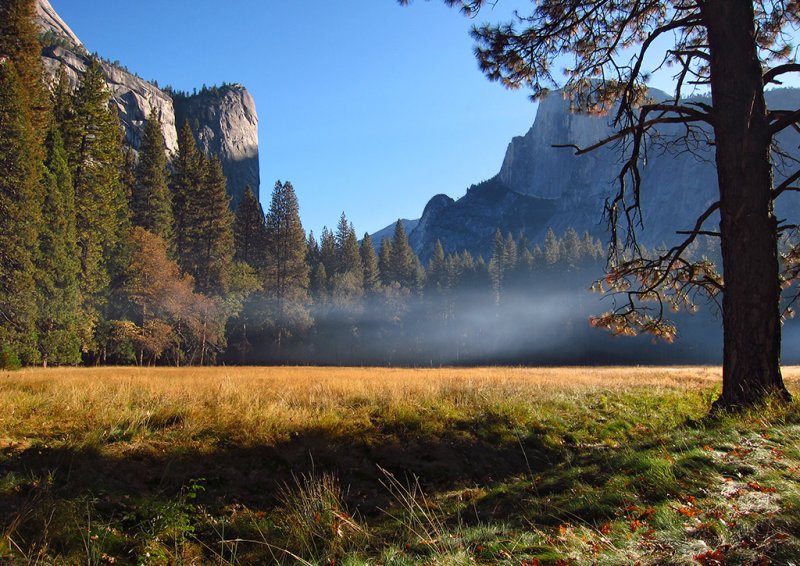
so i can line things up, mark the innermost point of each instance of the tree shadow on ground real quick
(255, 475)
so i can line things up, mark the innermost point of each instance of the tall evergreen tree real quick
(19, 43)
(94, 152)
(552, 248)
(23, 117)
(404, 260)
(189, 173)
(151, 202)
(348, 257)
(249, 231)
(572, 248)
(63, 109)
(312, 251)
(369, 261)
(318, 285)
(386, 262)
(211, 247)
(327, 251)
(58, 267)
(437, 269)
(286, 274)
(19, 209)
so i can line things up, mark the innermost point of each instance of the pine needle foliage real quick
(151, 205)
(102, 215)
(286, 276)
(19, 210)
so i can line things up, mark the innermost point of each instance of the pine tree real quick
(538, 257)
(319, 284)
(369, 261)
(63, 109)
(211, 246)
(312, 251)
(24, 108)
(286, 274)
(93, 143)
(19, 43)
(19, 209)
(497, 264)
(188, 176)
(404, 261)
(58, 268)
(437, 269)
(151, 205)
(249, 231)
(572, 248)
(348, 258)
(591, 249)
(327, 251)
(386, 262)
(552, 248)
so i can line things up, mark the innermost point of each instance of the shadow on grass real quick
(253, 476)
(475, 475)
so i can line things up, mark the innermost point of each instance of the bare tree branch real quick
(769, 76)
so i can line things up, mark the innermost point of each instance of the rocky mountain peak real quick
(51, 22)
(541, 186)
(223, 119)
(225, 123)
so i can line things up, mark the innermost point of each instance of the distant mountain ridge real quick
(540, 186)
(224, 120)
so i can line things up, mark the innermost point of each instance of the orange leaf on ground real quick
(688, 511)
(756, 487)
(711, 558)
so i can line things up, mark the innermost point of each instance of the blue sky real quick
(365, 106)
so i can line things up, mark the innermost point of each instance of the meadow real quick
(320, 465)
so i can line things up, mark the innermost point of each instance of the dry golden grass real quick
(267, 404)
(178, 406)
(537, 447)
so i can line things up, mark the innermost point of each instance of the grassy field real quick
(385, 466)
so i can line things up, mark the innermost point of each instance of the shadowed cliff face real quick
(540, 186)
(225, 123)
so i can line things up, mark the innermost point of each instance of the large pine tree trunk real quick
(751, 302)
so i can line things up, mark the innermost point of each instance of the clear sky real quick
(365, 106)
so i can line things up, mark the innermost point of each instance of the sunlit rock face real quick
(542, 186)
(225, 123)
(224, 120)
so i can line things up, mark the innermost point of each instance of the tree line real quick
(110, 255)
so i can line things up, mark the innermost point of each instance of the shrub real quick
(9, 360)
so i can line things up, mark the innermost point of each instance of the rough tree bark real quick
(751, 301)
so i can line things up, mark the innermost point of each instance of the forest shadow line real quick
(255, 475)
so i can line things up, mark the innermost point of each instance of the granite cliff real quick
(224, 120)
(225, 123)
(540, 186)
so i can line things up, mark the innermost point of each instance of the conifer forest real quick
(116, 256)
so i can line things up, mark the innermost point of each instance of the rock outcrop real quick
(224, 120)
(51, 22)
(541, 186)
(225, 123)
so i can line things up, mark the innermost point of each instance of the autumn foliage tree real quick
(734, 48)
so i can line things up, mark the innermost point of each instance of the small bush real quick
(9, 360)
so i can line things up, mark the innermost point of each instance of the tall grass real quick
(391, 466)
(267, 405)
